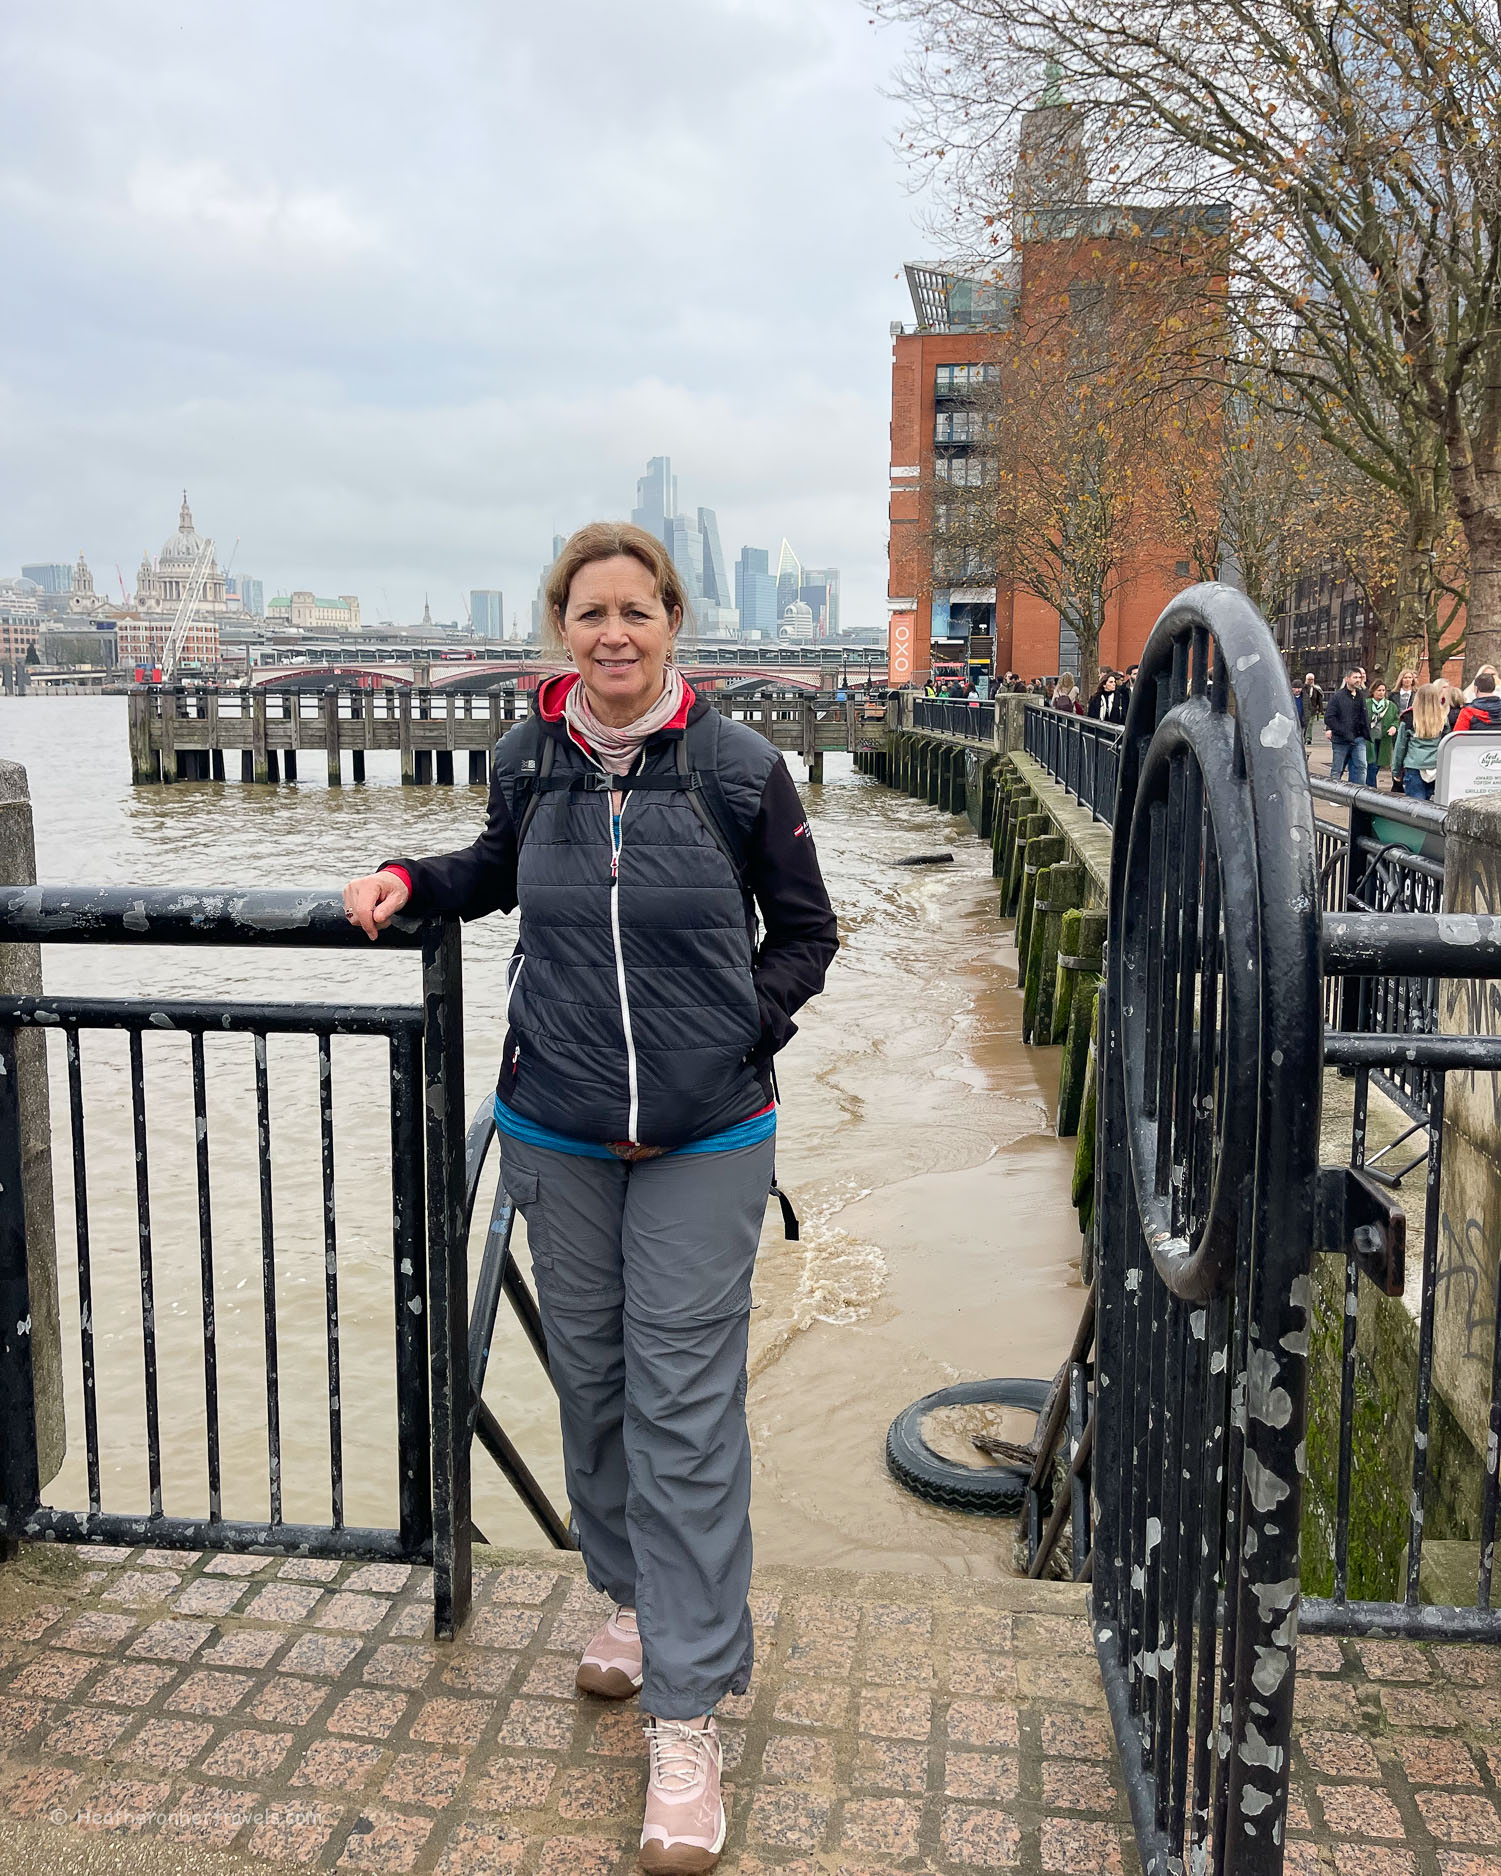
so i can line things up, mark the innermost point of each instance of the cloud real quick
(398, 292)
(262, 224)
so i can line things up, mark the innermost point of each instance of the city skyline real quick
(303, 329)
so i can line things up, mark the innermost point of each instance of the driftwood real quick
(1024, 1458)
(926, 859)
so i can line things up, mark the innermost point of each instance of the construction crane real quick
(183, 618)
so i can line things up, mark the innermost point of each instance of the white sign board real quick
(1468, 764)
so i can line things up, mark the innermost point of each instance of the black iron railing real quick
(438, 1354)
(1230, 912)
(1078, 752)
(953, 717)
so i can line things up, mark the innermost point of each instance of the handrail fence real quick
(439, 1353)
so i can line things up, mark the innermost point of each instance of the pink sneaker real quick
(611, 1664)
(685, 1823)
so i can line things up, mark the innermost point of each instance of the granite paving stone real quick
(171, 1745)
(210, 1691)
(246, 1753)
(306, 1718)
(171, 1639)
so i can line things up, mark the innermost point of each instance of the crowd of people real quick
(1109, 702)
(1375, 730)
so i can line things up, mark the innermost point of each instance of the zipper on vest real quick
(625, 1001)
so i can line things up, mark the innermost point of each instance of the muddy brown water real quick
(938, 1241)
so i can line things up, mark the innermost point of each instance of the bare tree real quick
(1355, 145)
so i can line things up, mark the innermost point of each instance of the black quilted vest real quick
(631, 1007)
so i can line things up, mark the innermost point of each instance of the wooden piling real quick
(331, 737)
(404, 734)
(260, 769)
(170, 699)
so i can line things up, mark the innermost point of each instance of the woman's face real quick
(619, 635)
(1378, 692)
(1108, 686)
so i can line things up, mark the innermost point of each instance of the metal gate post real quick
(448, 1277)
(20, 1485)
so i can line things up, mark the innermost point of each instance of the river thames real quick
(915, 1137)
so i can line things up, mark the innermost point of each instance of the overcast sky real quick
(398, 290)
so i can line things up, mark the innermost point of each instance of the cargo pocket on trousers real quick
(522, 1186)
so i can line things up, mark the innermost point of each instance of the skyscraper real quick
(820, 593)
(756, 593)
(656, 499)
(53, 576)
(789, 577)
(487, 612)
(252, 595)
(539, 604)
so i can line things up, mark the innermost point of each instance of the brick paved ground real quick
(161, 1714)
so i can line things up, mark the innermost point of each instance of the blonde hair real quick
(607, 540)
(1065, 683)
(1430, 713)
(1407, 680)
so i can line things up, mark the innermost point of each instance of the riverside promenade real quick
(163, 1712)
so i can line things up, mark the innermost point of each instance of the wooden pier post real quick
(331, 737)
(169, 696)
(259, 753)
(144, 764)
(291, 713)
(445, 755)
(404, 735)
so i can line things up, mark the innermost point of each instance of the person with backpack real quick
(641, 833)
(1419, 734)
(1483, 711)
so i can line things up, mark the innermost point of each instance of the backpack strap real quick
(698, 759)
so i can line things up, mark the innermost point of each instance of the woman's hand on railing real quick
(372, 902)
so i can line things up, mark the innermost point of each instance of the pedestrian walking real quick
(1483, 711)
(1107, 704)
(640, 833)
(1416, 753)
(1066, 696)
(1348, 728)
(1313, 704)
(1383, 715)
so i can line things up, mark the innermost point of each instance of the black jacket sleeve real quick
(801, 931)
(477, 879)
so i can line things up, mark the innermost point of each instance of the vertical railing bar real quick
(1347, 1362)
(148, 1299)
(85, 1268)
(268, 1277)
(1152, 1029)
(409, 1259)
(1235, 1499)
(1170, 1476)
(1492, 1464)
(1431, 1214)
(206, 1280)
(1214, 1457)
(331, 1282)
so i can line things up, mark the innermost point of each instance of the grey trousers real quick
(643, 1275)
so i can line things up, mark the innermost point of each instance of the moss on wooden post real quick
(1042, 851)
(1059, 890)
(1082, 1190)
(1081, 952)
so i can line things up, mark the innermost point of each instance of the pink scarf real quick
(618, 749)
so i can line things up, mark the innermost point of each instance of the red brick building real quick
(948, 611)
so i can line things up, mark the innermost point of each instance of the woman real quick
(1407, 684)
(638, 831)
(1383, 714)
(1107, 705)
(1066, 696)
(1416, 753)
